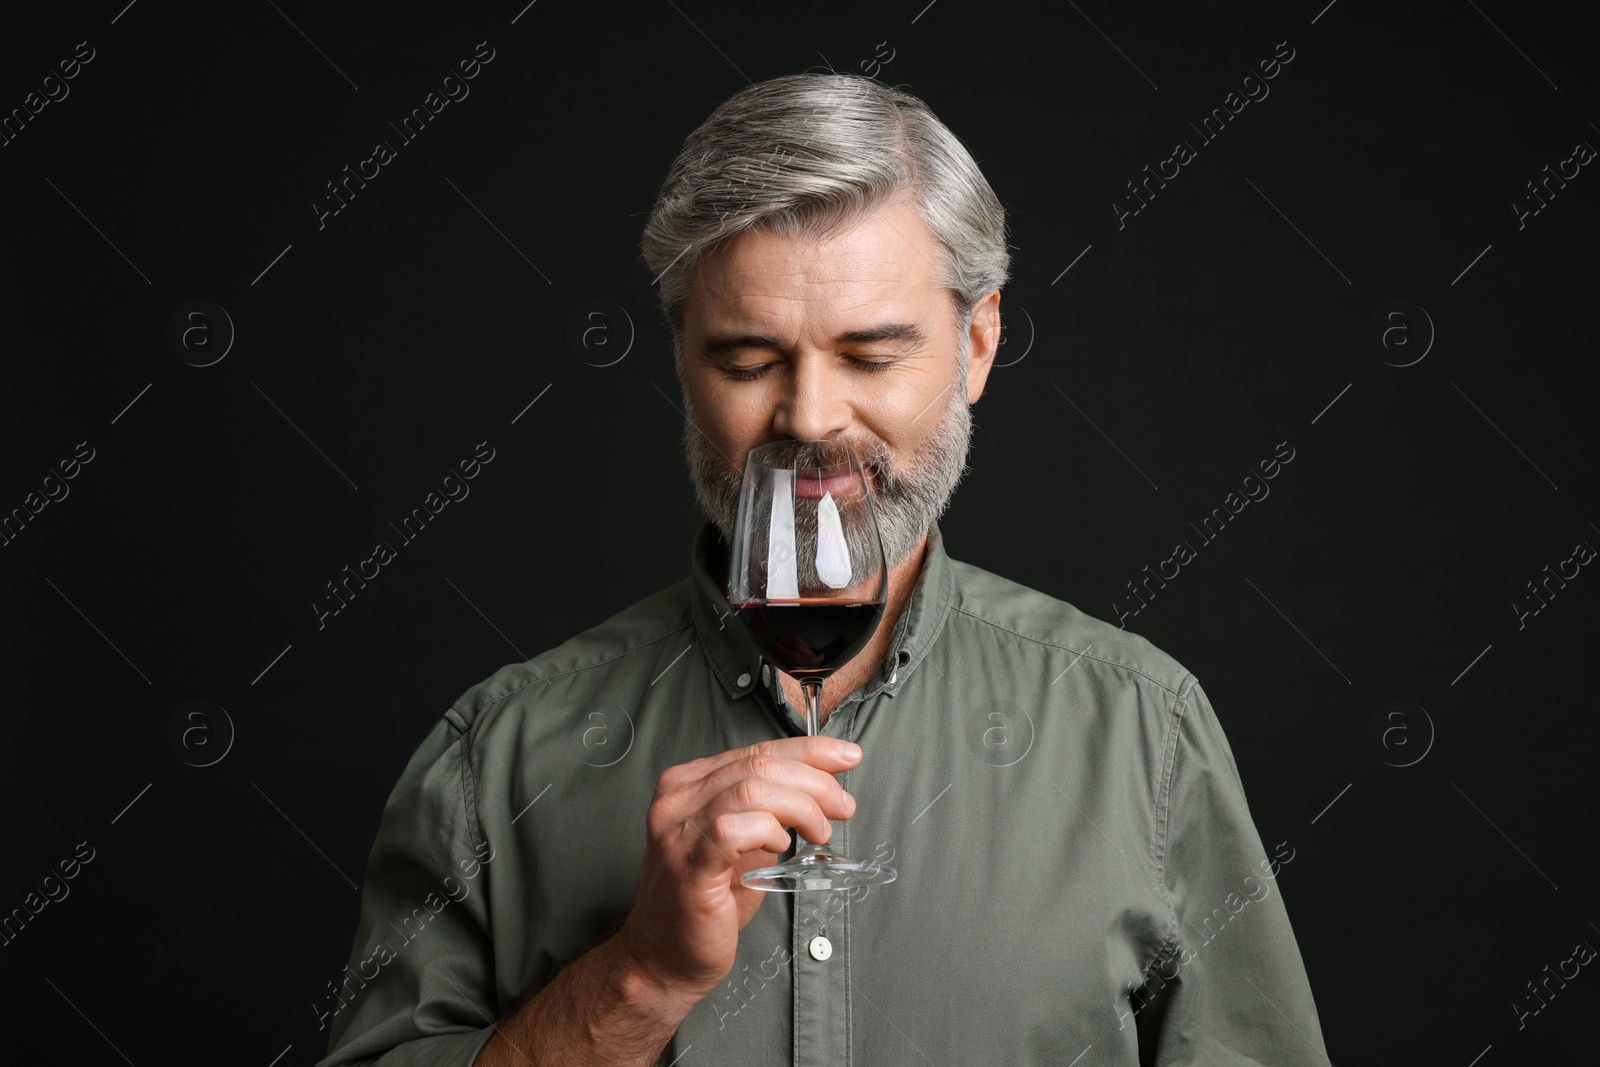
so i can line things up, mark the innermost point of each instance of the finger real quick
(828, 753)
(820, 785)
(730, 837)
(792, 807)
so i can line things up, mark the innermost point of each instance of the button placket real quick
(822, 980)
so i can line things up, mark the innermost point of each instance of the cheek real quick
(734, 416)
(904, 414)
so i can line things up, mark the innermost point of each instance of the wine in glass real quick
(808, 579)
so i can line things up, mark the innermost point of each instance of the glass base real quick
(819, 870)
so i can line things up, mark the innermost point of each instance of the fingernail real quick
(849, 750)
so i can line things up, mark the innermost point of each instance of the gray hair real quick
(810, 154)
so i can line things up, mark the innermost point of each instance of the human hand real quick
(712, 820)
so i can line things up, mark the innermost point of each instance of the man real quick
(1079, 876)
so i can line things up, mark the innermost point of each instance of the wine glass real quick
(808, 579)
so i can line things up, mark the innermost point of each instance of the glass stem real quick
(813, 694)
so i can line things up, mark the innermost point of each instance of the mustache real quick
(873, 456)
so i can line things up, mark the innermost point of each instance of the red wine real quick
(810, 638)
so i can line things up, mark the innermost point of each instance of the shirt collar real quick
(738, 662)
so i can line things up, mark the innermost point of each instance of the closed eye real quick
(871, 366)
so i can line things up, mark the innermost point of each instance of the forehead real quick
(888, 257)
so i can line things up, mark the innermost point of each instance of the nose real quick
(815, 403)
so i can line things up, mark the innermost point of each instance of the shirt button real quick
(744, 680)
(766, 675)
(821, 948)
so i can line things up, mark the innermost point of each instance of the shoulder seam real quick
(1080, 652)
(469, 793)
(1162, 814)
(477, 712)
(477, 715)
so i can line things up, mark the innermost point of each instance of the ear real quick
(984, 333)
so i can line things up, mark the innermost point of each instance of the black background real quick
(1139, 388)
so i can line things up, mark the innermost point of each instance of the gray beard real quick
(906, 501)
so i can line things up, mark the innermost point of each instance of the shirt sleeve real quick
(1228, 987)
(419, 987)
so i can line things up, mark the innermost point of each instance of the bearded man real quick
(1079, 876)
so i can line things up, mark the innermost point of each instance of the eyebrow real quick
(908, 334)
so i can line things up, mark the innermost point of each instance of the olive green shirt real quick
(1080, 880)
